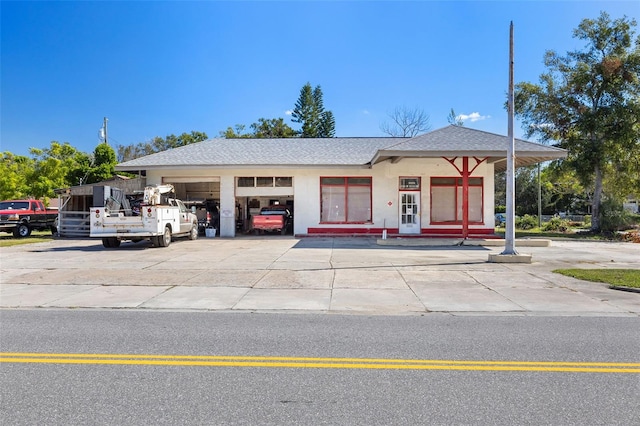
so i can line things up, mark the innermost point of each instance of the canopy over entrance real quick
(458, 141)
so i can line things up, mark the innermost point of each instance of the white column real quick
(227, 207)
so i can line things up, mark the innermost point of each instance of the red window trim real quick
(346, 204)
(456, 186)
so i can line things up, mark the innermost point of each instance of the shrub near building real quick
(557, 224)
(526, 222)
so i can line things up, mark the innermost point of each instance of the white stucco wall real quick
(306, 190)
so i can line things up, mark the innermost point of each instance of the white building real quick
(439, 183)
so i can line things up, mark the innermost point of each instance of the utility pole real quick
(104, 132)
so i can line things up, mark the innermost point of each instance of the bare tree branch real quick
(406, 122)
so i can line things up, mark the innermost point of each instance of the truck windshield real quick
(14, 205)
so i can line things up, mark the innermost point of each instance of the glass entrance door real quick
(409, 212)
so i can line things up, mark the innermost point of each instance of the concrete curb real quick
(623, 288)
(443, 242)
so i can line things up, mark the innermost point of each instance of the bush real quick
(526, 222)
(613, 217)
(557, 224)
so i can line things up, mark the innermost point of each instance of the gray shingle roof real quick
(464, 139)
(456, 141)
(448, 141)
(266, 152)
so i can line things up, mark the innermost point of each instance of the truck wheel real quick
(54, 227)
(193, 235)
(111, 242)
(165, 239)
(22, 231)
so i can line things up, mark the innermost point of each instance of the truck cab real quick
(20, 217)
(186, 216)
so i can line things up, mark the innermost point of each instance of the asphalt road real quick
(432, 369)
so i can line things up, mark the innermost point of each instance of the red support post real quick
(465, 197)
(465, 173)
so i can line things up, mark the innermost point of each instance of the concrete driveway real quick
(333, 275)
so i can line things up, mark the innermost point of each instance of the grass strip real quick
(613, 277)
(8, 240)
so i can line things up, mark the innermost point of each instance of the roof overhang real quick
(498, 158)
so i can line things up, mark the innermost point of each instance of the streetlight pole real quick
(510, 233)
(510, 255)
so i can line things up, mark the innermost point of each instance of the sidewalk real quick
(331, 275)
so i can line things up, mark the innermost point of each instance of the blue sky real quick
(157, 68)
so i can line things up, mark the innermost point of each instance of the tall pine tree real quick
(309, 111)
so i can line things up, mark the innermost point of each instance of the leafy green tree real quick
(13, 176)
(589, 103)
(158, 144)
(104, 164)
(309, 111)
(500, 192)
(173, 141)
(271, 129)
(526, 190)
(562, 190)
(58, 166)
(79, 169)
(235, 132)
(53, 167)
(263, 129)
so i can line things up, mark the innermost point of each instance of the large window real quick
(446, 200)
(345, 199)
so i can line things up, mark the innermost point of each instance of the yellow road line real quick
(310, 362)
(303, 359)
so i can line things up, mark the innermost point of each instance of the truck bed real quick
(273, 222)
(272, 218)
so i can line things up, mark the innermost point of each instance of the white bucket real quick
(210, 232)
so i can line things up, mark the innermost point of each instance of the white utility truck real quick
(159, 219)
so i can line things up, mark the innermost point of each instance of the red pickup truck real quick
(20, 217)
(276, 218)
